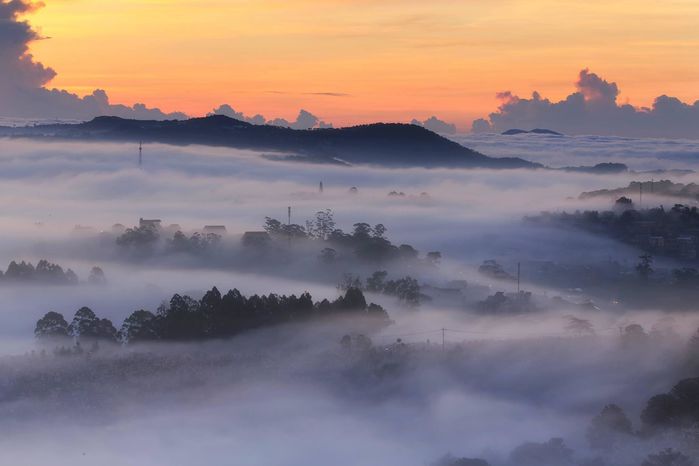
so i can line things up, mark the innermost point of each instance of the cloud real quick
(229, 111)
(304, 120)
(593, 109)
(329, 94)
(23, 87)
(435, 124)
(24, 91)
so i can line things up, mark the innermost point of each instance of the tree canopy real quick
(214, 316)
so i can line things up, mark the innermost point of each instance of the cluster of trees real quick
(146, 238)
(46, 272)
(194, 244)
(684, 277)
(139, 237)
(634, 335)
(406, 289)
(676, 411)
(214, 316)
(655, 230)
(507, 303)
(367, 242)
(678, 219)
(555, 452)
(493, 269)
(85, 325)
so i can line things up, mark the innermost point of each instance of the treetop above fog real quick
(213, 316)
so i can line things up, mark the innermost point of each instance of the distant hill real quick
(600, 168)
(514, 131)
(388, 144)
(666, 188)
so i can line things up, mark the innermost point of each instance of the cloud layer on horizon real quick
(435, 124)
(593, 109)
(304, 120)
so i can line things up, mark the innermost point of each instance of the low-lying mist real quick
(447, 376)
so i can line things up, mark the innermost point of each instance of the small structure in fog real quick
(256, 238)
(215, 229)
(149, 223)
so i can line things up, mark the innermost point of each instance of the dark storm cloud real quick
(593, 109)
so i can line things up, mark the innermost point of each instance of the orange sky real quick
(390, 59)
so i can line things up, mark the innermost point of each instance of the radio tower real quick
(140, 154)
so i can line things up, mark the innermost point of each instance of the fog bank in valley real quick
(446, 376)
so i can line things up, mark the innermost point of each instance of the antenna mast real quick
(140, 154)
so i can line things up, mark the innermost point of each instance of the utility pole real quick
(289, 226)
(140, 154)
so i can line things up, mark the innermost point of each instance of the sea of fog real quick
(558, 151)
(284, 396)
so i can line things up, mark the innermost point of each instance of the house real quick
(215, 229)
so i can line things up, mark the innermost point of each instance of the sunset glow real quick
(352, 61)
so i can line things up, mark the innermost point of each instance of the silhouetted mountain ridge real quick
(393, 144)
(515, 131)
